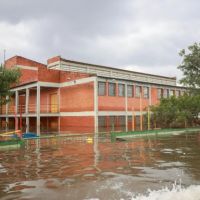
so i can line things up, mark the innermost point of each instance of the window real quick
(178, 93)
(112, 123)
(129, 90)
(182, 92)
(159, 93)
(112, 89)
(121, 90)
(102, 123)
(171, 93)
(146, 92)
(138, 91)
(166, 93)
(122, 123)
(102, 88)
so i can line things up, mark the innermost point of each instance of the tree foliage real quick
(177, 112)
(8, 77)
(190, 66)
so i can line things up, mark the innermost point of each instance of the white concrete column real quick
(96, 153)
(16, 101)
(16, 108)
(27, 124)
(27, 100)
(126, 107)
(7, 123)
(150, 96)
(149, 114)
(96, 105)
(38, 109)
(7, 119)
(27, 109)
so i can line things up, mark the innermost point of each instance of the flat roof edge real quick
(113, 68)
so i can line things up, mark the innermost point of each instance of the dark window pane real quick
(112, 89)
(138, 91)
(122, 121)
(121, 90)
(102, 123)
(112, 123)
(102, 88)
(166, 93)
(178, 93)
(146, 92)
(129, 90)
(171, 93)
(159, 93)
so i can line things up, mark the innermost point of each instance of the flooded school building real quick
(65, 96)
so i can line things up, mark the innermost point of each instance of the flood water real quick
(156, 167)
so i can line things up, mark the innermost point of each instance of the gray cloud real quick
(136, 34)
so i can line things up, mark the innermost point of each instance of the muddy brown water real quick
(99, 169)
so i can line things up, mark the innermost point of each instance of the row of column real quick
(26, 109)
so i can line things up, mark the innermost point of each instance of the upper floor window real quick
(129, 90)
(159, 93)
(146, 92)
(121, 90)
(102, 88)
(112, 89)
(183, 92)
(166, 93)
(138, 91)
(171, 93)
(178, 93)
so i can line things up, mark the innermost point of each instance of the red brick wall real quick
(77, 124)
(48, 75)
(77, 98)
(28, 76)
(154, 98)
(54, 59)
(135, 103)
(111, 103)
(28, 62)
(11, 62)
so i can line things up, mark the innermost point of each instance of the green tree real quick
(190, 67)
(177, 112)
(8, 77)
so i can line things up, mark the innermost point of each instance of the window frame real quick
(161, 93)
(136, 94)
(114, 89)
(101, 82)
(166, 93)
(171, 93)
(123, 89)
(132, 91)
(146, 96)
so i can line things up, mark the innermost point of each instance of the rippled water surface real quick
(156, 167)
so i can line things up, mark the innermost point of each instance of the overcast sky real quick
(140, 35)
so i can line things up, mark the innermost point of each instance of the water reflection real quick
(95, 167)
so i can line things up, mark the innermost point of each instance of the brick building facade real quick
(66, 96)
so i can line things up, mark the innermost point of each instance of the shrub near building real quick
(177, 112)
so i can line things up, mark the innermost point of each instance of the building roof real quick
(115, 68)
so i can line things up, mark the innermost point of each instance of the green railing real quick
(150, 132)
